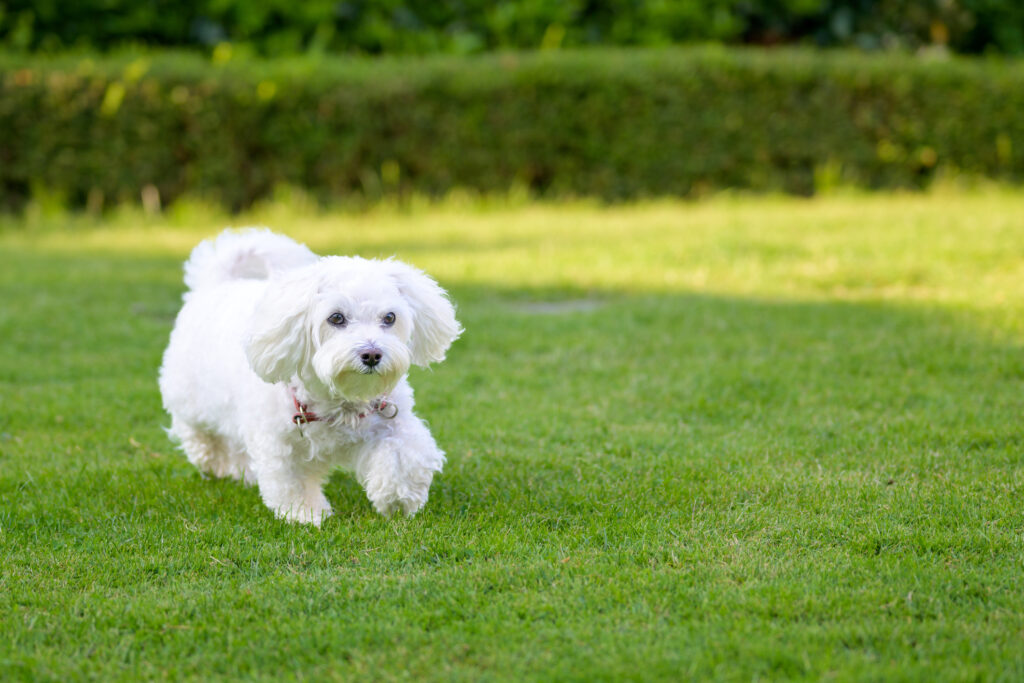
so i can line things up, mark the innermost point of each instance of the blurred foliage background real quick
(104, 102)
(612, 123)
(279, 27)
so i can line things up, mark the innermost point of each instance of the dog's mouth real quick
(363, 383)
(363, 375)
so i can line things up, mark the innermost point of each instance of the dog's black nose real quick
(370, 357)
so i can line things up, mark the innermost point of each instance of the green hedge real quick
(611, 124)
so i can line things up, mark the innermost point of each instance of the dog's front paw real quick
(304, 512)
(409, 501)
(408, 494)
(397, 477)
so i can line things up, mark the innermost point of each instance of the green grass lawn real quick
(742, 439)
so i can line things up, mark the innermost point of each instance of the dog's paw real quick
(399, 479)
(407, 494)
(407, 500)
(303, 513)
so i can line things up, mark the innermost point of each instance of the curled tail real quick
(251, 253)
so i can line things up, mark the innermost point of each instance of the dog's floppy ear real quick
(278, 341)
(434, 326)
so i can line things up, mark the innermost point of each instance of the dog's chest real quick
(340, 440)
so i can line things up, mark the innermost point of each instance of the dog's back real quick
(225, 277)
(252, 253)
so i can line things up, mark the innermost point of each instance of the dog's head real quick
(352, 325)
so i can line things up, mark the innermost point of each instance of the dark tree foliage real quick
(278, 27)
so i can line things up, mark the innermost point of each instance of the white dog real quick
(282, 365)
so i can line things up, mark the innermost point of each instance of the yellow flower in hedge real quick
(112, 98)
(136, 70)
(266, 90)
(221, 53)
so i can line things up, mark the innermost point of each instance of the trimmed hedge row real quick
(613, 124)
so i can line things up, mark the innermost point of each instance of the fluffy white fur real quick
(256, 325)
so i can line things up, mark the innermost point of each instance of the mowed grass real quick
(741, 439)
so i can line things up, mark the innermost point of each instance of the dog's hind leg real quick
(211, 453)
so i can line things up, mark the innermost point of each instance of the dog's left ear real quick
(435, 326)
(278, 342)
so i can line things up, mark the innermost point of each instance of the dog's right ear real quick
(434, 326)
(278, 342)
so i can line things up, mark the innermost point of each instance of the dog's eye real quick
(388, 319)
(336, 319)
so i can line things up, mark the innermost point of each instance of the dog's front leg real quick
(291, 487)
(396, 471)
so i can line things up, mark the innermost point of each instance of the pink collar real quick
(303, 415)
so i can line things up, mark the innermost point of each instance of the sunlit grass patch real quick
(959, 248)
